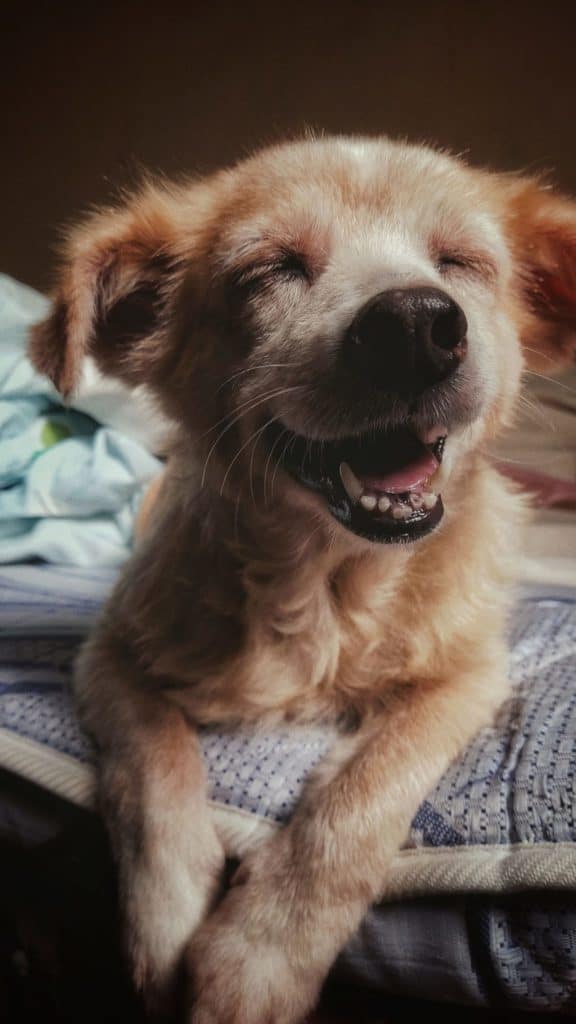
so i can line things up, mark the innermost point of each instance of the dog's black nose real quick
(407, 339)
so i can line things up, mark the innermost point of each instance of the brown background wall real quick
(91, 92)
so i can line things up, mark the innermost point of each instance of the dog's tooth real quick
(352, 485)
(416, 502)
(369, 502)
(429, 500)
(401, 512)
(383, 503)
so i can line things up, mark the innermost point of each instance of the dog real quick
(338, 328)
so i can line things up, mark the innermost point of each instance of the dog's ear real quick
(543, 234)
(120, 272)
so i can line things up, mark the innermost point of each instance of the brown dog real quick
(338, 329)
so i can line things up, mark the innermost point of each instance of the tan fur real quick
(245, 600)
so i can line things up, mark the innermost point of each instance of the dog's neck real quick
(275, 592)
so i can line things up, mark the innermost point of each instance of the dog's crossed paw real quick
(241, 978)
(163, 910)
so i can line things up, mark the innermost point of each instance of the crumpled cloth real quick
(71, 476)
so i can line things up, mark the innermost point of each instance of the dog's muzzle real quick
(384, 483)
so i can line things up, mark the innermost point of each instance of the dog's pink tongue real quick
(404, 478)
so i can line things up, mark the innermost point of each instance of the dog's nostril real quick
(377, 329)
(449, 328)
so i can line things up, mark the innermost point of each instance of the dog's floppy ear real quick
(543, 234)
(119, 273)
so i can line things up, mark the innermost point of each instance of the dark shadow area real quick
(93, 93)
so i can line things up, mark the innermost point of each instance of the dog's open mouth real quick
(380, 485)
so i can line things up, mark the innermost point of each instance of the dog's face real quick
(372, 285)
(348, 316)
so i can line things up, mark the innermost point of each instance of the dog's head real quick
(348, 315)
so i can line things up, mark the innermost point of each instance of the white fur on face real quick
(376, 215)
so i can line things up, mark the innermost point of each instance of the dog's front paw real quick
(165, 905)
(240, 977)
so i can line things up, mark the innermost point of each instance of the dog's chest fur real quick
(332, 634)
(307, 650)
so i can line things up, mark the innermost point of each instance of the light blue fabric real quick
(69, 487)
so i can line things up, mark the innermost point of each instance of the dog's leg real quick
(263, 954)
(152, 795)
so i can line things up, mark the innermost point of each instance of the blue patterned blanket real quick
(501, 821)
(514, 783)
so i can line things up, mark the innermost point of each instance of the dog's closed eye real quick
(459, 261)
(446, 261)
(284, 266)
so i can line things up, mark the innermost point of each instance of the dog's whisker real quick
(244, 404)
(268, 460)
(535, 411)
(319, 528)
(256, 402)
(254, 436)
(277, 465)
(552, 380)
(245, 412)
(251, 467)
(229, 415)
(289, 443)
(541, 355)
(253, 369)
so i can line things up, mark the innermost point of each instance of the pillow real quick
(502, 821)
